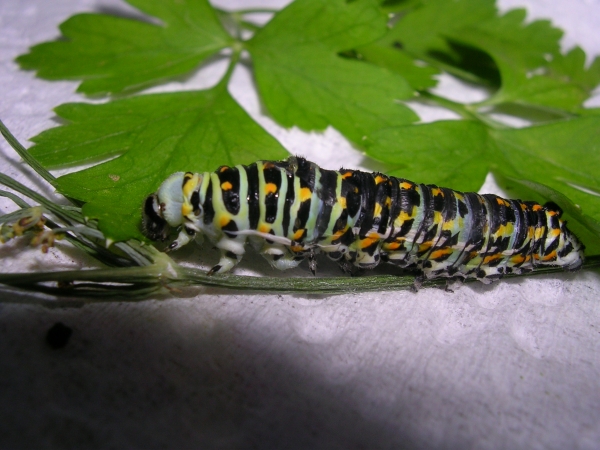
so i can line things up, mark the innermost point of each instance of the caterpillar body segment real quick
(291, 210)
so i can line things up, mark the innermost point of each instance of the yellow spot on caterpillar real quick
(517, 259)
(425, 246)
(226, 186)
(298, 234)
(347, 174)
(186, 209)
(404, 216)
(539, 232)
(296, 248)
(377, 212)
(537, 207)
(270, 188)
(305, 194)
(224, 221)
(379, 179)
(342, 202)
(406, 185)
(224, 169)
(264, 228)
(550, 257)
(190, 183)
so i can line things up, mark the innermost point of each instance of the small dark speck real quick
(58, 335)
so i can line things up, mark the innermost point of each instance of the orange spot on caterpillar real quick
(305, 194)
(270, 188)
(298, 234)
(436, 254)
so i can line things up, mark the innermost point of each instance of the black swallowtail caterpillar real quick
(293, 209)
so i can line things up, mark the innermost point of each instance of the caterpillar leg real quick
(365, 260)
(232, 251)
(281, 258)
(349, 268)
(312, 262)
(185, 236)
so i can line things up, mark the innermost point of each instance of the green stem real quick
(249, 25)
(465, 111)
(23, 153)
(66, 214)
(235, 57)
(256, 11)
(452, 70)
(135, 283)
(17, 200)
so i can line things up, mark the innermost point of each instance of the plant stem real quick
(136, 283)
(23, 153)
(256, 11)
(235, 57)
(467, 112)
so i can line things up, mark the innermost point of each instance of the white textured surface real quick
(513, 365)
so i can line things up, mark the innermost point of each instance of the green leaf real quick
(522, 52)
(422, 31)
(303, 82)
(113, 55)
(562, 155)
(571, 68)
(418, 75)
(332, 24)
(152, 136)
(448, 153)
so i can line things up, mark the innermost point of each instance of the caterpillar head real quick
(162, 210)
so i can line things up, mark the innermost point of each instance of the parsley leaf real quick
(152, 136)
(521, 52)
(419, 76)
(302, 80)
(422, 32)
(113, 55)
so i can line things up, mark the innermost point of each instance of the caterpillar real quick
(293, 209)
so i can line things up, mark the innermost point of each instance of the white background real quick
(512, 365)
